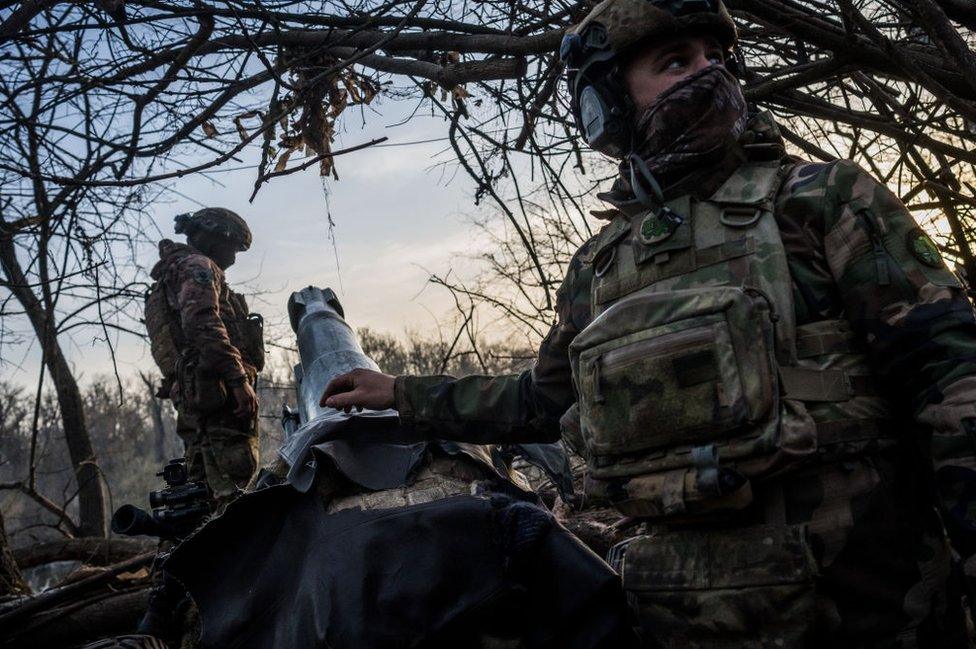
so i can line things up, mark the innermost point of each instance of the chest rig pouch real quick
(689, 383)
(246, 330)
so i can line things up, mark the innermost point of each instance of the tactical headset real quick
(600, 102)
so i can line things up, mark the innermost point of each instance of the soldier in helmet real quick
(208, 348)
(763, 359)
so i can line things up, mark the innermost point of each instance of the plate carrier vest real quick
(168, 344)
(694, 381)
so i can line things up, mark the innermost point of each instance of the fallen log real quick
(10, 620)
(105, 615)
(92, 551)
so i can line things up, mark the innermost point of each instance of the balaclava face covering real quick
(691, 124)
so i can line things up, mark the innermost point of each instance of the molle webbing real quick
(807, 384)
(680, 263)
(166, 337)
(818, 345)
(694, 352)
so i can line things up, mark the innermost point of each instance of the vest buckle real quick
(740, 215)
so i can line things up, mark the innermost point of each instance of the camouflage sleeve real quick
(198, 300)
(516, 408)
(919, 325)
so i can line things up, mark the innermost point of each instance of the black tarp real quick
(276, 571)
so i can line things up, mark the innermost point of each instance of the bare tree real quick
(886, 82)
(102, 99)
(11, 581)
(156, 411)
(62, 246)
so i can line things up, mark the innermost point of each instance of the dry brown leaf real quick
(137, 575)
(369, 92)
(290, 141)
(352, 89)
(239, 123)
(283, 161)
(338, 99)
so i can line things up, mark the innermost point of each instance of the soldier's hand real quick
(359, 389)
(247, 400)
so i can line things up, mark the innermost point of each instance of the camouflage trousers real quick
(221, 451)
(844, 556)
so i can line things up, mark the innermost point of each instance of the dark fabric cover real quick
(554, 462)
(373, 452)
(275, 571)
(374, 465)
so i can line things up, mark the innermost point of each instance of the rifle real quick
(177, 509)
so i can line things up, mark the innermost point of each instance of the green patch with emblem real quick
(658, 226)
(923, 248)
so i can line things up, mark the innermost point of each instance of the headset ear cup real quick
(571, 85)
(600, 104)
(603, 121)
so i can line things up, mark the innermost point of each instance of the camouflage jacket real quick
(854, 252)
(197, 290)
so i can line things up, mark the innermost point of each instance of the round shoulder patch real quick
(923, 248)
(202, 275)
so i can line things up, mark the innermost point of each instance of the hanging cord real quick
(654, 200)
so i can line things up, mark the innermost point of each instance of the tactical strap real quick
(830, 343)
(842, 431)
(824, 385)
(826, 337)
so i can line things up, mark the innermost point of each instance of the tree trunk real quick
(11, 581)
(156, 411)
(91, 495)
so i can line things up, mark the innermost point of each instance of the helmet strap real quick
(737, 63)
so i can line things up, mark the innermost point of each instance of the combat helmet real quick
(594, 50)
(216, 221)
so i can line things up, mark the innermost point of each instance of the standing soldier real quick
(767, 360)
(208, 348)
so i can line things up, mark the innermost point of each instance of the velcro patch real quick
(923, 248)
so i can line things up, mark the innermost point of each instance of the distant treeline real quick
(134, 433)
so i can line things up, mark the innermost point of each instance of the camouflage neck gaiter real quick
(691, 123)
